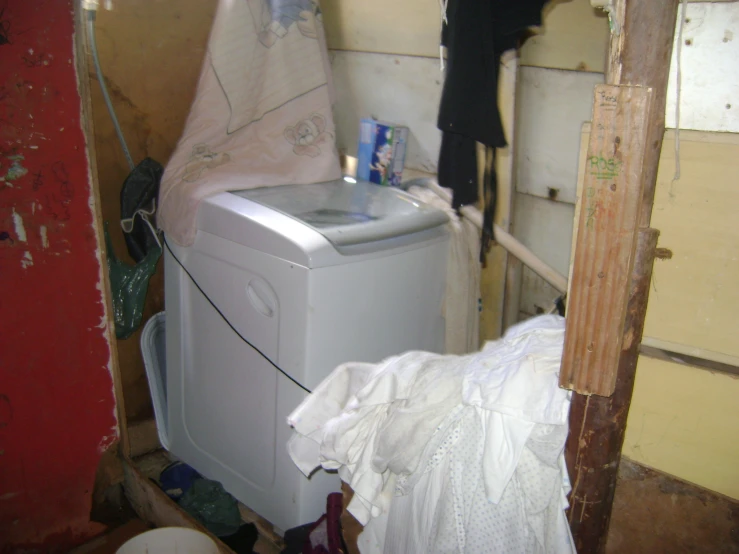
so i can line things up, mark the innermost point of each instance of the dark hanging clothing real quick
(478, 32)
(458, 167)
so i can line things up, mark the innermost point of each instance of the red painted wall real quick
(57, 409)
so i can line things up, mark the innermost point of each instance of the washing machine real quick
(281, 285)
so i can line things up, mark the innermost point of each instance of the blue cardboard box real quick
(381, 152)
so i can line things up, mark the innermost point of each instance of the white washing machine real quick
(312, 276)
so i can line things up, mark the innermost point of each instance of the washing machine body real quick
(281, 286)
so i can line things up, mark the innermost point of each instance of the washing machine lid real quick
(349, 212)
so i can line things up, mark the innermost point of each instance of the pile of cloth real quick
(445, 453)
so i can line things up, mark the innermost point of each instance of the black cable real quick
(220, 313)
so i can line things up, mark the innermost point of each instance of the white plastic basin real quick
(170, 540)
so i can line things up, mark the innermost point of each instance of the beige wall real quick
(684, 420)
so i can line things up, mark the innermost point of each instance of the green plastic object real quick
(209, 503)
(129, 284)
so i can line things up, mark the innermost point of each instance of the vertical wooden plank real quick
(493, 277)
(606, 239)
(82, 48)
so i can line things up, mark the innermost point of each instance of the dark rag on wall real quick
(476, 33)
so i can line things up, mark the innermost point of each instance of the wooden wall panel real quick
(709, 79)
(573, 36)
(551, 109)
(410, 27)
(695, 298)
(401, 89)
(683, 422)
(546, 228)
(151, 53)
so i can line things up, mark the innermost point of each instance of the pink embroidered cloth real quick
(262, 111)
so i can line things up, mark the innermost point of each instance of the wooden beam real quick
(503, 238)
(82, 48)
(639, 55)
(598, 424)
(606, 239)
(153, 506)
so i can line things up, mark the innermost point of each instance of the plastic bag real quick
(138, 197)
(177, 478)
(129, 285)
(209, 503)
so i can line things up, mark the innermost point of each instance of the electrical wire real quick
(234, 329)
(104, 89)
(678, 87)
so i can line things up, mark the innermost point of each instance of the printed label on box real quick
(381, 152)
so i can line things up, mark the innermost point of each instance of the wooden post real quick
(640, 55)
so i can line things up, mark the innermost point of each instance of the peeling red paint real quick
(57, 408)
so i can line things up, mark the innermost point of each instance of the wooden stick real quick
(507, 241)
(639, 55)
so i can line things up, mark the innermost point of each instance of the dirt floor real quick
(654, 513)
